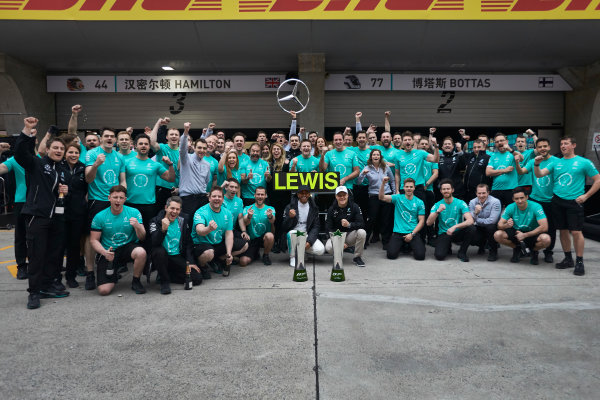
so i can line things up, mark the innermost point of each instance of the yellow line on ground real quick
(6, 262)
(6, 248)
(12, 269)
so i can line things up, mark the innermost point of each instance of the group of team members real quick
(195, 206)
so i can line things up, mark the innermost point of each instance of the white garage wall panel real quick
(467, 108)
(120, 110)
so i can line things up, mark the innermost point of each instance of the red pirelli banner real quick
(106, 10)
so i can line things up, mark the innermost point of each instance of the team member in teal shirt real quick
(502, 168)
(124, 143)
(165, 189)
(104, 168)
(259, 219)
(523, 225)
(234, 204)
(213, 235)
(410, 162)
(524, 156)
(568, 175)
(455, 223)
(542, 190)
(340, 160)
(172, 246)
(256, 174)
(409, 219)
(115, 233)
(305, 162)
(361, 190)
(141, 173)
(229, 167)
(20, 243)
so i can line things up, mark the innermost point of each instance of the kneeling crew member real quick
(170, 234)
(345, 215)
(409, 219)
(523, 225)
(450, 211)
(260, 221)
(119, 228)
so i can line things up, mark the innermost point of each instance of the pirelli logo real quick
(298, 9)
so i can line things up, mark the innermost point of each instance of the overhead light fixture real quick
(167, 68)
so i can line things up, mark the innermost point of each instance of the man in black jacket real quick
(302, 214)
(170, 234)
(345, 215)
(45, 228)
(476, 163)
(450, 166)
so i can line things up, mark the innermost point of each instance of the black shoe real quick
(374, 239)
(33, 301)
(52, 293)
(349, 249)
(226, 270)
(276, 249)
(481, 251)
(516, 257)
(384, 247)
(565, 263)
(205, 273)
(90, 281)
(579, 270)
(165, 288)
(359, 262)
(267, 259)
(81, 271)
(216, 267)
(72, 283)
(534, 257)
(431, 242)
(122, 269)
(548, 257)
(463, 257)
(136, 285)
(58, 286)
(22, 274)
(493, 255)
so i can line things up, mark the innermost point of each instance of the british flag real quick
(272, 82)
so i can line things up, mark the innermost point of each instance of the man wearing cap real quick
(302, 214)
(345, 215)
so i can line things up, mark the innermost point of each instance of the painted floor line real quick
(6, 262)
(6, 248)
(12, 269)
(566, 305)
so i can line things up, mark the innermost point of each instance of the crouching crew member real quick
(171, 238)
(115, 235)
(523, 225)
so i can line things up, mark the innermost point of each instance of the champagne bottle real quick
(188, 285)
(60, 204)
(110, 268)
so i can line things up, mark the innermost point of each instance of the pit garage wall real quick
(260, 110)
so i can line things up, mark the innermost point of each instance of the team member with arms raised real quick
(568, 175)
(104, 168)
(165, 189)
(115, 235)
(455, 223)
(194, 173)
(410, 164)
(502, 168)
(213, 235)
(172, 246)
(341, 160)
(305, 162)
(257, 174)
(259, 219)
(523, 225)
(409, 219)
(45, 227)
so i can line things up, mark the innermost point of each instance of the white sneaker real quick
(293, 262)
